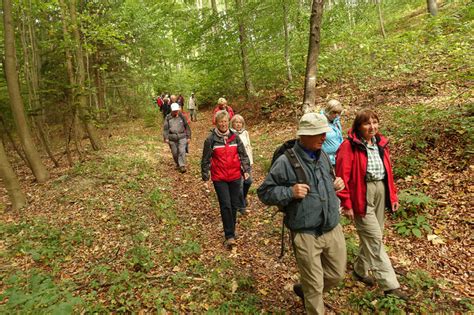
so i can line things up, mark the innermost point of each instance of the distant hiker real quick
(333, 111)
(363, 162)
(224, 155)
(222, 105)
(192, 107)
(311, 212)
(177, 133)
(238, 126)
(180, 100)
(159, 101)
(166, 107)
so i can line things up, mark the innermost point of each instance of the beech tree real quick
(10, 181)
(16, 102)
(313, 54)
(432, 7)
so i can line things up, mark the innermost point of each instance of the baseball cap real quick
(312, 124)
(174, 106)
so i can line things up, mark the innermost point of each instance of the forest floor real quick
(124, 231)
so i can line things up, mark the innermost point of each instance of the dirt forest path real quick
(123, 231)
(255, 257)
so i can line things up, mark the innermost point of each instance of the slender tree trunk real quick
(32, 77)
(10, 181)
(10, 138)
(313, 54)
(287, 41)
(249, 89)
(432, 7)
(382, 28)
(214, 7)
(85, 116)
(16, 102)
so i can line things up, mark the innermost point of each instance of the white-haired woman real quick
(237, 124)
(222, 105)
(225, 157)
(333, 111)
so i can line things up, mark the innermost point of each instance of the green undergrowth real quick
(126, 249)
(362, 54)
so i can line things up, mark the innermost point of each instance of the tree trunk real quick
(382, 28)
(432, 7)
(313, 54)
(10, 138)
(10, 180)
(249, 89)
(214, 7)
(16, 102)
(84, 114)
(287, 41)
(32, 77)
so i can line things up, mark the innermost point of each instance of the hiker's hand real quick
(395, 206)
(246, 176)
(349, 213)
(300, 191)
(189, 141)
(167, 141)
(338, 184)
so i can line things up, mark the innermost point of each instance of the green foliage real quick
(413, 226)
(362, 303)
(391, 304)
(185, 251)
(419, 280)
(352, 247)
(140, 258)
(412, 203)
(37, 293)
(43, 242)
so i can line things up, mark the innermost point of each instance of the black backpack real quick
(287, 149)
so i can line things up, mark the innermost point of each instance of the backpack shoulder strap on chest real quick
(297, 167)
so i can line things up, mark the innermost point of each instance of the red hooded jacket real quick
(351, 166)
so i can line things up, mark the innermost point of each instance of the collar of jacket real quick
(303, 153)
(381, 140)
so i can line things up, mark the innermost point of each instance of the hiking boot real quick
(243, 211)
(368, 281)
(182, 169)
(298, 289)
(229, 243)
(398, 293)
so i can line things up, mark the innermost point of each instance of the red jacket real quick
(351, 166)
(225, 160)
(217, 109)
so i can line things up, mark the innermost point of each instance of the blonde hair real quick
(221, 101)
(333, 106)
(237, 117)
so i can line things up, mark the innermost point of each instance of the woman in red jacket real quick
(224, 155)
(363, 162)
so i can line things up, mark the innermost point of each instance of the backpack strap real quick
(331, 168)
(301, 177)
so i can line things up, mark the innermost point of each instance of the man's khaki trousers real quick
(322, 263)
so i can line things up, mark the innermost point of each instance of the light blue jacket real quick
(333, 139)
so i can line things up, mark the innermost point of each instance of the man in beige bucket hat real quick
(311, 212)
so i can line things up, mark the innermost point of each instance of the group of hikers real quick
(313, 179)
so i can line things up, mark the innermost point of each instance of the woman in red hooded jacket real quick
(363, 162)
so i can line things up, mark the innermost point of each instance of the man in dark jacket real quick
(311, 211)
(177, 133)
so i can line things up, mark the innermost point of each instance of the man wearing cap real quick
(177, 133)
(311, 211)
